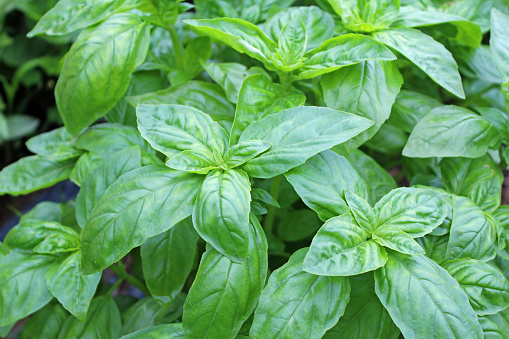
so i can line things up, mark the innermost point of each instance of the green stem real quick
(121, 272)
(285, 80)
(177, 48)
(271, 210)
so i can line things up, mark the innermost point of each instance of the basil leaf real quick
(224, 293)
(33, 173)
(298, 225)
(238, 34)
(366, 16)
(485, 286)
(148, 312)
(365, 316)
(297, 134)
(172, 129)
(199, 161)
(472, 233)
(362, 212)
(427, 54)
(498, 118)
(106, 173)
(498, 41)
(86, 165)
(495, 326)
(245, 151)
(55, 144)
(72, 289)
(45, 323)
(292, 295)
(168, 331)
(51, 211)
(260, 97)
(431, 294)
(103, 321)
(397, 240)
(100, 62)
(291, 46)
(70, 15)
(478, 179)
(134, 208)
(176, 249)
(221, 213)
(368, 89)
(22, 285)
(441, 134)
(409, 108)
(342, 249)
(321, 180)
(342, 51)
(414, 211)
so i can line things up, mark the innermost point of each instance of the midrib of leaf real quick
(358, 314)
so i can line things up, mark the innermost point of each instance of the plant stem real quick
(121, 272)
(271, 210)
(285, 80)
(177, 47)
(114, 287)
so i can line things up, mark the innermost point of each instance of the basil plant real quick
(268, 169)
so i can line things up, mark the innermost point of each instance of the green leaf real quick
(199, 160)
(465, 32)
(296, 134)
(45, 323)
(20, 125)
(472, 233)
(321, 181)
(204, 96)
(245, 151)
(296, 304)
(134, 208)
(376, 179)
(495, 326)
(106, 173)
(55, 144)
(224, 293)
(478, 179)
(365, 316)
(221, 213)
(498, 118)
(366, 15)
(415, 211)
(162, 12)
(342, 51)
(241, 35)
(292, 46)
(168, 331)
(172, 129)
(51, 211)
(443, 133)
(368, 89)
(22, 285)
(397, 240)
(86, 165)
(298, 225)
(341, 248)
(498, 40)
(103, 321)
(33, 173)
(100, 61)
(432, 305)
(148, 312)
(362, 212)
(260, 97)
(485, 286)
(73, 289)
(427, 54)
(409, 108)
(70, 15)
(176, 250)
(319, 25)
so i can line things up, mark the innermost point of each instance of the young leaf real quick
(427, 54)
(342, 51)
(175, 250)
(258, 98)
(342, 249)
(86, 165)
(433, 305)
(224, 293)
(292, 296)
(103, 321)
(221, 213)
(134, 208)
(33, 173)
(368, 89)
(100, 62)
(55, 144)
(297, 134)
(198, 160)
(168, 331)
(397, 240)
(441, 133)
(245, 151)
(292, 45)
(366, 16)
(72, 289)
(485, 286)
(472, 233)
(172, 129)
(414, 211)
(362, 212)
(321, 181)
(97, 183)
(22, 285)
